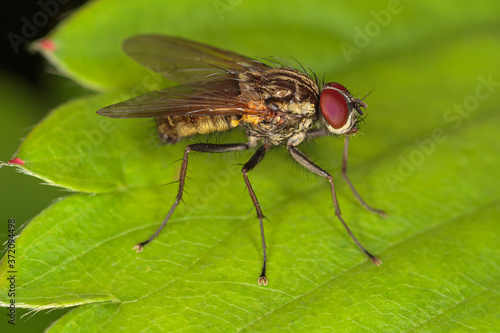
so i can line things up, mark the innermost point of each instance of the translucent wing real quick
(211, 97)
(184, 61)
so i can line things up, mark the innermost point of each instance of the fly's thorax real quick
(290, 95)
(281, 89)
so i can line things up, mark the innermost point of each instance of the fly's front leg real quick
(317, 133)
(254, 160)
(309, 165)
(201, 147)
(356, 194)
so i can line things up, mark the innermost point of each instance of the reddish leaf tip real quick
(47, 45)
(17, 160)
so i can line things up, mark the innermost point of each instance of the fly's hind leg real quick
(254, 160)
(200, 147)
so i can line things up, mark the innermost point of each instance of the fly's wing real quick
(210, 97)
(184, 61)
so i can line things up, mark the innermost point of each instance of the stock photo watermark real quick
(150, 82)
(92, 138)
(31, 25)
(455, 115)
(12, 271)
(75, 154)
(218, 181)
(222, 7)
(363, 36)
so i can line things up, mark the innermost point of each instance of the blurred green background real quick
(366, 45)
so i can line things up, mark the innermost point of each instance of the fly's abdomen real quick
(174, 128)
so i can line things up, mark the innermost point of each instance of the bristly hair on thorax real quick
(293, 64)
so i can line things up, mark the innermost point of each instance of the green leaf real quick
(428, 156)
(75, 148)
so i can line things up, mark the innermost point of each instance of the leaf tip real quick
(16, 160)
(46, 45)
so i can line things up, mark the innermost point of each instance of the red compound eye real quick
(334, 105)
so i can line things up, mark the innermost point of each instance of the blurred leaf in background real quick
(428, 156)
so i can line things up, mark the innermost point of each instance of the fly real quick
(220, 90)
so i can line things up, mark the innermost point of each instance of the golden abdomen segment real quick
(174, 128)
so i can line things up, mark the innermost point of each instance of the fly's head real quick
(339, 109)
